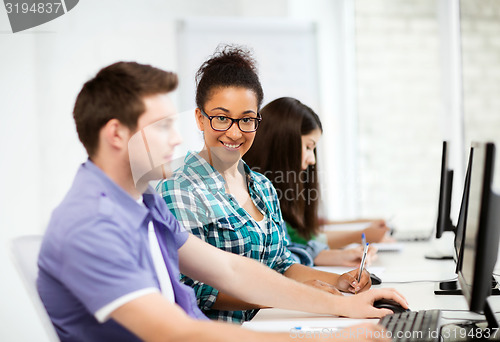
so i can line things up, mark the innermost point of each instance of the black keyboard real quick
(413, 325)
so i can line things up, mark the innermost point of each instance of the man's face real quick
(151, 147)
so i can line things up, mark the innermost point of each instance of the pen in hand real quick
(362, 264)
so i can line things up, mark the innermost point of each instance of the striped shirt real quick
(197, 197)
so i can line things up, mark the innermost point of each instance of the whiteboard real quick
(285, 51)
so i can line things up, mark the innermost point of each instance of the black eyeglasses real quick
(223, 123)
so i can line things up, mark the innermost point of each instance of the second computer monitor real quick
(480, 243)
(462, 216)
(443, 221)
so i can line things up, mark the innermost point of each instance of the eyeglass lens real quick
(245, 124)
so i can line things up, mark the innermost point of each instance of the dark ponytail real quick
(229, 66)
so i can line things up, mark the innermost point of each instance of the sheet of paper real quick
(347, 226)
(409, 277)
(378, 270)
(383, 246)
(326, 326)
(389, 246)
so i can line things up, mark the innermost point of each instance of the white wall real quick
(20, 161)
(481, 66)
(337, 156)
(400, 101)
(405, 107)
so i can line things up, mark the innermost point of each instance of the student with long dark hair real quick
(284, 150)
(219, 199)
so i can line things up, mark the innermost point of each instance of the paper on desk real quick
(378, 270)
(322, 325)
(347, 226)
(382, 246)
(389, 246)
(412, 276)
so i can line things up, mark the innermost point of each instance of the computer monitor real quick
(482, 230)
(451, 287)
(445, 189)
(462, 217)
(444, 208)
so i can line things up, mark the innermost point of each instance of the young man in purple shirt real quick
(110, 260)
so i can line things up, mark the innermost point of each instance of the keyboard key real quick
(413, 325)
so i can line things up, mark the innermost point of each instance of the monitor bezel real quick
(462, 217)
(444, 223)
(486, 239)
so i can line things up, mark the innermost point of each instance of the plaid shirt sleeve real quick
(188, 210)
(284, 258)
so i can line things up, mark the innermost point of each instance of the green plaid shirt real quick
(196, 196)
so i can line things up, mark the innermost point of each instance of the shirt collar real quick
(210, 176)
(134, 213)
(152, 202)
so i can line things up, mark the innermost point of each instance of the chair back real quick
(24, 252)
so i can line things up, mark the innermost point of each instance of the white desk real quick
(407, 265)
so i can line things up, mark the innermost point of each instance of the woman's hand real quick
(350, 257)
(323, 286)
(376, 231)
(348, 282)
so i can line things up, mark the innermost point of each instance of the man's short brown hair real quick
(117, 92)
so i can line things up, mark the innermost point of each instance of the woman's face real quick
(235, 103)
(309, 142)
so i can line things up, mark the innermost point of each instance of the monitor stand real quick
(473, 331)
(452, 287)
(443, 248)
(438, 255)
(468, 331)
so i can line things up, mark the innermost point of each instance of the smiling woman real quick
(224, 139)
(218, 198)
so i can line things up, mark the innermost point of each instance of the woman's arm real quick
(252, 282)
(346, 282)
(323, 221)
(227, 302)
(344, 257)
(374, 233)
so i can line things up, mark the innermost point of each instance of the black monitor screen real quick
(480, 244)
(462, 217)
(443, 221)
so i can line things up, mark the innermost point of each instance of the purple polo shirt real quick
(96, 251)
